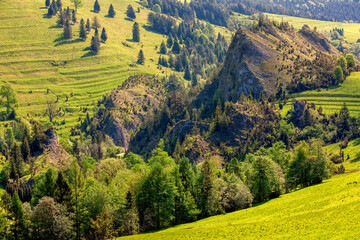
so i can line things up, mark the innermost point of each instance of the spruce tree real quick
(18, 228)
(82, 33)
(95, 43)
(111, 12)
(67, 30)
(130, 12)
(62, 192)
(176, 47)
(88, 27)
(169, 41)
(136, 32)
(96, 23)
(58, 4)
(187, 74)
(47, 3)
(104, 35)
(73, 17)
(141, 58)
(26, 149)
(54, 6)
(163, 49)
(96, 6)
(61, 18)
(50, 11)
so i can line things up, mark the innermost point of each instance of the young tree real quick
(67, 31)
(163, 49)
(58, 4)
(141, 58)
(16, 161)
(101, 227)
(44, 186)
(351, 62)
(343, 121)
(52, 110)
(62, 191)
(88, 27)
(111, 12)
(169, 41)
(96, 23)
(136, 32)
(95, 43)
(130, 12)
(25, 147)
(18, 227)
(104, 35)
(187, 74)
(338, 75)
(73, 16)
(77, 4)
(156, 8)
(82, 33)
(342, 63)
(96, 6)
(47, 3)
(131, 222)
(51, 11)
(176, 47)
(8, 98)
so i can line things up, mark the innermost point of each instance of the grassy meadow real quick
(34, 58)
(329, 210)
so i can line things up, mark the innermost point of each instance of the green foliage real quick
(96, 6)
(95, 43)
(343, 121)
(163, 48)
(169, 41)
(82, 32)
(235, 195)
(18, 228)
(62, 191)
(8, 98)
(338, 75)
(176, 46)
(264, 182)
(104, 36)
(77, 4)
(141, 57)
(47, 3)
(67, 30)
(351, 62)
(156, 8)
(111, 12)
(130, 12)
(308, 166)
(342, 63)
(136, 32)
(88, 26)
(44, 186)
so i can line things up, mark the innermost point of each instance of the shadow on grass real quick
(130, 40)
(129, 19)
(61, 41)
(356, 142)
(45, 15)
(107, 16)
(43, 8)
(88, 54)
(150, 29)
(55, 26)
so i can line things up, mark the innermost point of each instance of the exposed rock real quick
(54, 152)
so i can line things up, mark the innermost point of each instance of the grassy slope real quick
(29, 44)
(325, 211)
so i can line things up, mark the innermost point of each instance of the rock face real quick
(54, 152)
(259, 61)
(129, 106)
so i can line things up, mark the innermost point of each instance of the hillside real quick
(33, 58)
(325, 211)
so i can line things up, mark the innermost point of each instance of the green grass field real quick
(30, 51)
(329, 210)
(332, 99)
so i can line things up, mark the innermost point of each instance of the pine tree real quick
(47, 3)
(51, 11)
(18, 228)
(111, 12)
(62, 192)
(163, 49)
(61, 18)
(96, 23)
(73, 17)
(169, 41)
(141, 58)
(209, 203)
(136, 32)
(96, 6)
(26, 149)
(17, 161)
(176, 47)
(104, 35)
(67, 30)
(54, 6)
(59, 4)
(187, 74)
(88, 27)
(95, 43)
(82, 33)
(130, 12)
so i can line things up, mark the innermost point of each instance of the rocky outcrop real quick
(54, 152)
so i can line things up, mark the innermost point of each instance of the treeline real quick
(334, 10)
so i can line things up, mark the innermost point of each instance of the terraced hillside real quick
(332, 99)
(33, 58)
(324, 211)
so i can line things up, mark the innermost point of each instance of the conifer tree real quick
(141, 58)
(176, 47)
(88, 27)
(17, 161)
(61, 18)
(67, 30)
(111, 12)
(163, 49)
(62, 192)
(130, 12)
(169, 41)
(18, 228)
(26, 149)
(73, 17)
(209, 203)
(47, 3)
(187, 74)
(96, 23)
(96, 6)
(54, 6)
(51, 11)
(95, 43)
(82, 33)
(104, 35)
(136, 32)
(58, 4)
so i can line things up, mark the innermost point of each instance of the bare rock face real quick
(54, 152)
(299, 108)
